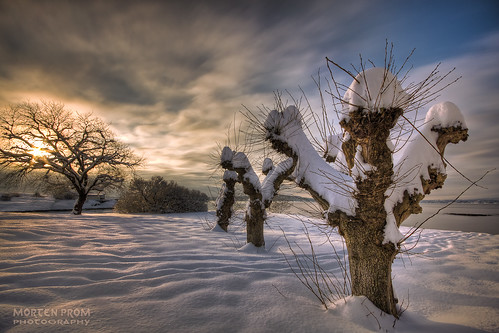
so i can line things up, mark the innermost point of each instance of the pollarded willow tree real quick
(77, 147)
(372, 176)
(238, 169)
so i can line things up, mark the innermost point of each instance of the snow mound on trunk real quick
(373, 89)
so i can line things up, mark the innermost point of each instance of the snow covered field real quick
(105, 272)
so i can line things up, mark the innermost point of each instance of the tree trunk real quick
(371, 266)
(255, 218)
(225, 202)
(78, 206)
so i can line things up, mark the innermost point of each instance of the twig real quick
(273, 285)
(346, 71)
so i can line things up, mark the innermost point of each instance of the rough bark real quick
(255, 219)
(370, 264)
(370, 260)
(255, 212)
(226, 200)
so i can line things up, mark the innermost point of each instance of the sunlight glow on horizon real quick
(38, 152)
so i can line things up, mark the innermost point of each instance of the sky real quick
(171, 76)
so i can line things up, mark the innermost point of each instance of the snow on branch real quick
(420, 167)
(371, 107)
(332, 147)
(285, 133)
(275, 177)
(239, 162)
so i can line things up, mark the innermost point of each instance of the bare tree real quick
(80, 147)
(372, 175)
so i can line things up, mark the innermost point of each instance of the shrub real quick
(158, 195)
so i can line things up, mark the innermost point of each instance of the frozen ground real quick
(169, 273)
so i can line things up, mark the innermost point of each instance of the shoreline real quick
(479, 216)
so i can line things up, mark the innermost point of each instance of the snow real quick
(230, 175)
(268, 191)
(445, 114)
(170, 273)
(311, 168)
(226, 155)
(333, 145)
(239, 160)
(267, 165)
(413, 161)
(373, 89)
(249, 248)
(377, 88)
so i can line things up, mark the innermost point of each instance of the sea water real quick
(478, 216)
(473, 217)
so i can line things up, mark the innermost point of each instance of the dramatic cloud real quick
(170, 76)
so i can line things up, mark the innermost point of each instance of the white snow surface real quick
(267, 164)
(413, 161)
(240, 160)
(373, 89)
(445, 114)
(268, 191)
(329, 183)
(230, 175)
(226, 155)
(333, 145)
(169, 273)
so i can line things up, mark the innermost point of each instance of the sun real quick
(37, 152)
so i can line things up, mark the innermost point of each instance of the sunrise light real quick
(38, 152)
